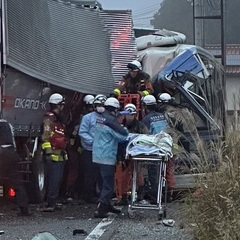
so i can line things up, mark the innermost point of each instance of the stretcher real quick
(159, 161)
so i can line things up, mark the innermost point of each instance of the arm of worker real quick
(147, 85)
(146, 122)
(121, 87)
(47, 134)
(84, 132)
(119, 132)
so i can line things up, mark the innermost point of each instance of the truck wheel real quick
(38, 184)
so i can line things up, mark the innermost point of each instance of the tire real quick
(131, 214)
(38, 184)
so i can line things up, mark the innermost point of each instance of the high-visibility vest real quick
(55, 147)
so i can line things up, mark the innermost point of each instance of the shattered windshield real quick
(190, 64)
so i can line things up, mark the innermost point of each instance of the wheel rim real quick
(41, 180)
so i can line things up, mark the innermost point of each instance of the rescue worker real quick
(86, 133)
(88, 104)
(79, 168)
(75, 166)
(135, 81)
(108, 133)
(54, 148)
(155, 122)
(131, 122)
(164, 101)
(163, 98)
(134, 126)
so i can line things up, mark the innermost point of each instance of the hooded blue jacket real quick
(108, 133)
(86, 130)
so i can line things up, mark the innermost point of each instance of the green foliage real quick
(216, 212)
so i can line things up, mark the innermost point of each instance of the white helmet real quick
(88, 99)
(164, 97)
(56, 98)
(131, 108)
(135, 65)
(149, 100)
(112, 102)
(100, 98)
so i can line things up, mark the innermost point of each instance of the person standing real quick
(86, 133)
(166, 107)
(155, 122)
(54, 148)
(135, 81)
(88, 104)
(108, 133)
(75, 164)
(124, 171)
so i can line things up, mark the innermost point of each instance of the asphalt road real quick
(61, 224)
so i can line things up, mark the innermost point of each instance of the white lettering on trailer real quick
(27, 103)
(43, 105)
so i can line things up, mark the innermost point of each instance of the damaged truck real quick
(73, 48)
(76, 48)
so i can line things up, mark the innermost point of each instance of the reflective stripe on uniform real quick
(145, 92)
(46, 145)
(117, 91)
(55, 157)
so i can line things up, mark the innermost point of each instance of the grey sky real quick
(142, 10)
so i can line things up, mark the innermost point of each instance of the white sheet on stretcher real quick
(150, 144)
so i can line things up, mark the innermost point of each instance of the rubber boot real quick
(123, 201)
(112, 209)
(102, 211)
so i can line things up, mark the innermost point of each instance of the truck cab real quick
(195, 79)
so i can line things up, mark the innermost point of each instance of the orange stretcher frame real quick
(124, 99)
(123, 177)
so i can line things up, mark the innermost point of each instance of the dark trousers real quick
(107, 175)
(91, 176)
(72, 168)
(153, 179)
(54, 179)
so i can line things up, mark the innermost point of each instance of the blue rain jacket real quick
(108, 133)
(86, 130)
